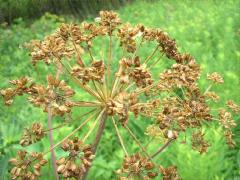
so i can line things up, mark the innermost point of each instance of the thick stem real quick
(53, 157)
(99, 132)
(98, 138)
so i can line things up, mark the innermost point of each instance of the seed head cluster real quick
(99, 68)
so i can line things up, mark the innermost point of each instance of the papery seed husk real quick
(37, 172)
(61, 169)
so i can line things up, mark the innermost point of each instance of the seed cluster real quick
(180, 75)
(32, 135)
(198, 142)
(169, 173)
(233, 106)
(52, 46)
(56, 94)
(215, 78)
(70, 166)
(24, 168)
(20, 87)
(95, 72)
(136, 166)
(119, 82)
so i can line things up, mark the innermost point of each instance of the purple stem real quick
(97, 139)
(53, 157)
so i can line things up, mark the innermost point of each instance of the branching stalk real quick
(71, 134)
(151, 55)
(154, 63)
(208, 88)
(90, 53)
(93, 126)
(99, 91)
(138, 142)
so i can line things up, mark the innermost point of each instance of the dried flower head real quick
(215, 78)
(169, 173)
(212, 95)
(229, 137)
(32, 135)
(198, 142)
(136, 166)
(78, 160)
(233, 106)
(23, 166)
(119, 83)
(226, 119)
(20, 87)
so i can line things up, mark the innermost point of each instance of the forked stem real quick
(137, 141)
(71, 134)
(93, 126)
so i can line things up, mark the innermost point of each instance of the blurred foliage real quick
(209, 30)
(32, 9)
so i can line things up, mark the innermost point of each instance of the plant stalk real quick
(162, 148)
(97, 138)
(53, 157)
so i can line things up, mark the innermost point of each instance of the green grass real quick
(208, 30)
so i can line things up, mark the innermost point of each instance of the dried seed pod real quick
(57, 92)
(110, 20)
(95, 72)
(229, 138)
(53, 47)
